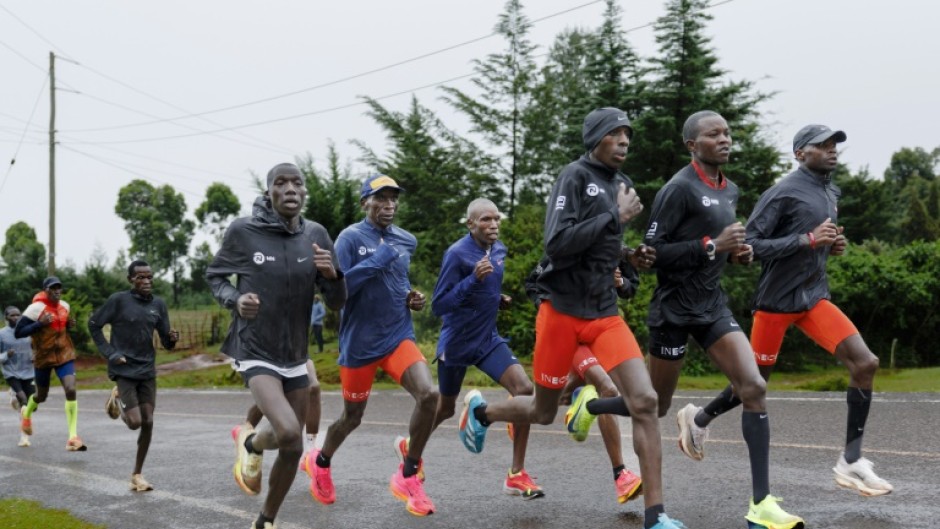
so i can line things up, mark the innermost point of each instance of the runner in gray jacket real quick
(280, 261)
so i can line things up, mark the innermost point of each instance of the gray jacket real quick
(20, 363)
(270, 260)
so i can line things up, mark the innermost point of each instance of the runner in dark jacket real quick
(133, 316)
(694, 229)
(280, 261)
(794, 230)
(590, 204)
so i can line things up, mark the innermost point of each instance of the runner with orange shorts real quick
(793, 231)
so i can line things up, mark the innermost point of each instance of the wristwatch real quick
(710, 248)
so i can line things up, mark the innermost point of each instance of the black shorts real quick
(136, 392)
(668, 342)
(289, 384)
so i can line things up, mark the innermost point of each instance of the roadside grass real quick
(18, 513)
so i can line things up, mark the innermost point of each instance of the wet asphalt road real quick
(191, 458)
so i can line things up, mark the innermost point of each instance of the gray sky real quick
(864, 67)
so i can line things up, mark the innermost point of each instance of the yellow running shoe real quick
(768, 515)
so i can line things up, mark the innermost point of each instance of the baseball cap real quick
(815, 134)
(376, 183)
(50, 281)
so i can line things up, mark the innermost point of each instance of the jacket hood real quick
(263, 215)
(42, 297)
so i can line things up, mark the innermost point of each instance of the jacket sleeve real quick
(226, 263)
(452, 288)
(358, 273)
(564, 235)
(26, 327)
(631, 280)
(163, 328)
(333, 290)
(763, 223)
(668, 211)
(96, 323)
(531, 281)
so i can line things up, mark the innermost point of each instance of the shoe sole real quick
(575, 417)
(631, 495)
(850, 483)
(754, 525)
(112, 408)
(236, 469)
(305, 466)
(512, 491)
(465, 420)
(683, 433)
(72, 448)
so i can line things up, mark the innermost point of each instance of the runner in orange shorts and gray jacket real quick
(793, 231)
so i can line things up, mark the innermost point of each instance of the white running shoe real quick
(24, 440)
(691, 436)
(860, 476)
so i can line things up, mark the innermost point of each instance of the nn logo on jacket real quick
(259, 258)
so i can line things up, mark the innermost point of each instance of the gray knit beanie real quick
(601, 121)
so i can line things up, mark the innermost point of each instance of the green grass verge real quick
(27, 514)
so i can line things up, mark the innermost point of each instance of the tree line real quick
(525, 113)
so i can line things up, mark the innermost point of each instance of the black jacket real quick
(133, 318)
(631, 281)
(583, 236)
(686, 210)
(275, 263)
(793, 275)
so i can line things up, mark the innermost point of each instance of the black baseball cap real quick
(51, 281)
(815, 134)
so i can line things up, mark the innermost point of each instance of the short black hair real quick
(7, 310)
(137, 263)
(690, 130)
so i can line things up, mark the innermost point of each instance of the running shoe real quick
(666, 522)
(75, 444)
(321, 480)
(139, 484)
(768, 515)
(267, 525)
(691, 436)
(24, 440)
(860, 476)
(247, 469)
(472, 433)
(401, 450)
(629, 486)
(26, 423)
(521, 484)
(113, 408)
(577, 419)
(410, 491)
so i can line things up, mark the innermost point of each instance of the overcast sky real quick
(865, 67)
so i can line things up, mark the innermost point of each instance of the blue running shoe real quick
(472, 433)
(577, 419)
(666, 522)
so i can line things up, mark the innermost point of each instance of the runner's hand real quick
(174, 336)
(121, 361)
(744, 255)
(838, 246)
(731, 238)
(483, 268)
(46, 318)
(504, 301)
(415, 300)
(324, 261)
(826, 233)
(628, 203)
(248, 305)
(643, 257)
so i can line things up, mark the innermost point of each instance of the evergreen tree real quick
(503, 113)
(867, 208)
(332, 195)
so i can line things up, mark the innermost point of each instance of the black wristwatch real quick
(710, 249)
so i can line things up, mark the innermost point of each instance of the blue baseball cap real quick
(376, 183)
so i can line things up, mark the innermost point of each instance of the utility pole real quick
(52, 163)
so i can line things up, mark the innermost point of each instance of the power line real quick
(335, 81)
(16, 152)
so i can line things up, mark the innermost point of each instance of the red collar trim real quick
(723, 182)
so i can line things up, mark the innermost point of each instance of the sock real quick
(859, 401)
(410, 467)
(651, 515)
(609, 405)
(725, 401)
(71, 417)
(480, 413)
(618, 470)
(323, 461)
(310, 441)
(756, 429)
(250, 447)
(262, 519)
(31, 406)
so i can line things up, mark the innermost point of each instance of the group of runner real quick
(280, 261)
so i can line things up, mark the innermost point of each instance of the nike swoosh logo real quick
(763, 415)
(302, 259)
